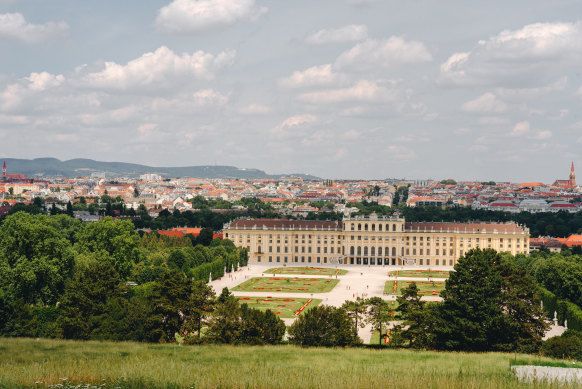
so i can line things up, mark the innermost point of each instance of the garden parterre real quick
(284, 307)
(287, 285)
(313, 271)
(420, 273)
(425, 288)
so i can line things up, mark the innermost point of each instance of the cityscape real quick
(252, 194)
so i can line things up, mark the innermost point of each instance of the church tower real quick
(572, 176)
(4, 170)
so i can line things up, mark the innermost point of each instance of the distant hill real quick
(50, 167)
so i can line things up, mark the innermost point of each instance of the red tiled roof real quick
(173, 234)
(471, 228)
(283, 224)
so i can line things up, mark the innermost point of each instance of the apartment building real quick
(371, 240)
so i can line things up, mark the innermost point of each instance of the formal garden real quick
(425, 288)
(312, 271)
(287, 284)
(420, 273)
(284, 307)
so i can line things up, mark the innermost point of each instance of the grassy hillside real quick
(41, 363)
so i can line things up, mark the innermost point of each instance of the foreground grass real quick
(131, 365)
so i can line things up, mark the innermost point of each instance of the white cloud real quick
(15, 26)
(293, 122)
(13, 119)
(159, 69)
(367, 91)
(14, 94)
(254, 109)
(520, 128)
(345, 34)
(412, 139)
(315, 75)
(352, 134)
(375, 55)
(519, 57)
(361, 2)
(520, 94)
(44, 80)
(485, 104)
(543, 134)
(186, 16)
(397, 152)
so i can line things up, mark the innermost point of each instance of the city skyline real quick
(347, 89)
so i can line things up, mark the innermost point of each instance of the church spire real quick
(4, 170)
(572, 176)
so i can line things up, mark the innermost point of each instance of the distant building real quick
(569, 183)
(11, 177)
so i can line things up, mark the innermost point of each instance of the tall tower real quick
(4, 170)
(572, 176)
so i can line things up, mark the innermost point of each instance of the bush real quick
(569, 345)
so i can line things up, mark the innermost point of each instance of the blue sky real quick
(340, 89)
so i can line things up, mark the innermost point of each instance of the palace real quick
(371, 240)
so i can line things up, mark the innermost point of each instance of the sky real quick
(367, 89)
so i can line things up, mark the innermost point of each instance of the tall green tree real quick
(35, 258)
(115, 240)
(356, 310)
(416, 317)
(225, 323)
(323, 326)
(199, 306)
(378, 314)
(488, 305)
(170, 300)
(94, 305)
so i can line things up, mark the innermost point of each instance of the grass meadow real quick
(30, 363)
(312, 271)
(287, 284)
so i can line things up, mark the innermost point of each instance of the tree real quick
(170, 301)
(225, 323)
(356, 310)
(205, 237)
(259, 327)
(416, 317)
(377, 315)
(488, 305)
(323, 326)
(35, 258)
(93, 305)
(199, 306)
(115, 240)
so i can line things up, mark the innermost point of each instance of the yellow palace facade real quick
(371, 240)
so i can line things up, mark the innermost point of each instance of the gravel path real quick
(541, 373)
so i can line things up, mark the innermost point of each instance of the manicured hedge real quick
(565, 309)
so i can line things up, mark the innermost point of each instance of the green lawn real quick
(312, 271)
(425, 288)
(287, 284)
(286, 307)
(41, 363)
(420, 273)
